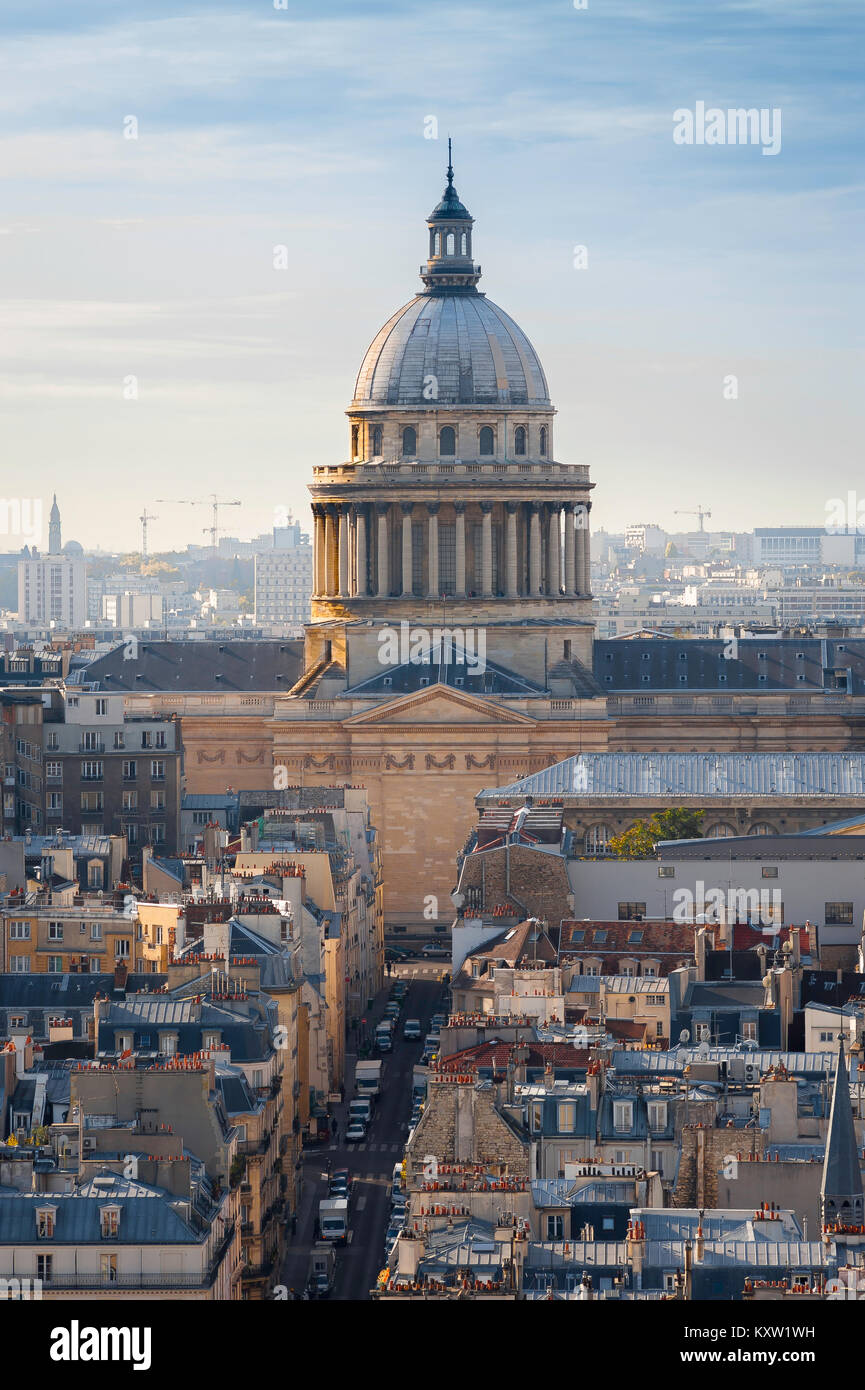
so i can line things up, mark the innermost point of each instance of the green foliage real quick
(638, 842)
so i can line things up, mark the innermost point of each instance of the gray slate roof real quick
(621, 665)
(842, 1179)
(704, 775)
(476, 352)
(253, 665)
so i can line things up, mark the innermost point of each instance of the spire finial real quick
(450, 166)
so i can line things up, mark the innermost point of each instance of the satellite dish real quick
(703, 1049)
(684, 1036)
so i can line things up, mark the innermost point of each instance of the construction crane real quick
(215, 503)
(144, 518)
(697, 512)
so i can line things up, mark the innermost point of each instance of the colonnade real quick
(366, 548)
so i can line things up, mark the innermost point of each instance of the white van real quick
(360, 1109)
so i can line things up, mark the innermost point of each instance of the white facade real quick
(283, 584)
(52, 591)
(133, 610)
(807, 889)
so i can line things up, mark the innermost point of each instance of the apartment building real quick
(106, 771)
(58, 940)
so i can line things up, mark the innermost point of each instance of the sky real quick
(705, 349)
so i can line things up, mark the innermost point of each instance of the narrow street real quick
(370, 1163)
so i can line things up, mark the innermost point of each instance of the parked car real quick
(433, 948)
(393, 953)
(340, 1177)
(356, 1132)
(393, 1231)
(437, 1022)
(411, 1030)
(383, 1038)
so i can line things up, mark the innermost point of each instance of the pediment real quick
(439, 704)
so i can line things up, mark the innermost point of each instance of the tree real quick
(639, 841)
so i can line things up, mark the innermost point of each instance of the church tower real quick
(451, 505)
(841, 1188)
(54, 546)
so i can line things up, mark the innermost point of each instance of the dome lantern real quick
(450, 267)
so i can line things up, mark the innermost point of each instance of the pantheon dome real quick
(451, 493)
(474, 350)
(450, 345)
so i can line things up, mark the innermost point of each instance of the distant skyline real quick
(153, 258)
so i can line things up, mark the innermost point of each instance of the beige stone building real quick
(451, 642)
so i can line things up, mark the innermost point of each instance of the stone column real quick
(511, 550)
(329, 550)
(460, 509)
(432, 549)
(587, 552)
(406, 548)
(343, 549)
(554, 546)
(486, 549)
(570, 557)
(581, 517)
(318, 513)
(534, 549)
(382, 510)
(362, 581)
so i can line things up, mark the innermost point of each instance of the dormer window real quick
(109, 1222)
(211, 1040)
(45, 1222)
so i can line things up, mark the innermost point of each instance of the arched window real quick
(762, 827)
(520, 440)
(487, 440)
(450, 244)
(464, 241)
(447, 441)
(438, 244)
(597, 839)
(722, 830)
(543, 441)
(409, 441)
(355, 435)
(376, 441)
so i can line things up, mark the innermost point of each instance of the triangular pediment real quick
(439, 704)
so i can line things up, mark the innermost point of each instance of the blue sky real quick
(153, 258)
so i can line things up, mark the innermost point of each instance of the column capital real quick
(345, 508)
(382, 508)
(407, 508)
(486, 507)
(318, 509)
(568, 507)
(331, 509)
(433, 508)
(512, 508)
(534, 507)
(459, 508)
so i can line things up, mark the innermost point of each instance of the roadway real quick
(370, 1163)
